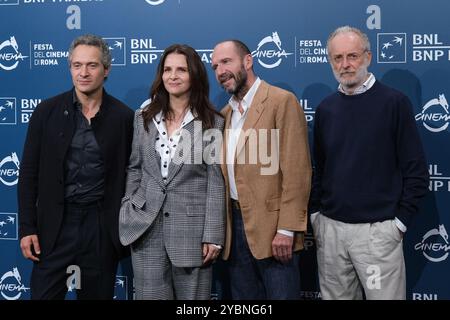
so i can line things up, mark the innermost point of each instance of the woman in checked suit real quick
(173, 211)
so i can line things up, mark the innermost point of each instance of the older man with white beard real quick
(370, 173)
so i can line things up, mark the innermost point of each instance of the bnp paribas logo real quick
(391, 48)
(121, 288)
(117, 50)
(8, 110)
(8, 226)
(8, 2)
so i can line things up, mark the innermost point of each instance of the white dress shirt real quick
(362, 88)
(237, 122)
(166, 145)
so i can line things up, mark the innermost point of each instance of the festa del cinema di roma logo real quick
(10, 55)
(9, 170)
(155, 2)
(435, 114)
(270, 57)
(434, 244)
(11, 286)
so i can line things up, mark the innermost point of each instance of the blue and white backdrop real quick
(411, 52)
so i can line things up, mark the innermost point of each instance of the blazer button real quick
(164, 191)
(166, 214)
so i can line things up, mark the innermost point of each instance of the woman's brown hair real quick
(199, 91)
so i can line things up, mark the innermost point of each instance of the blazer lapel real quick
(254, 113)
(68, 122)
(153, 159)
(195, 139)
(227, 115)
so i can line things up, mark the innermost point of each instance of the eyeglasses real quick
(353, 56)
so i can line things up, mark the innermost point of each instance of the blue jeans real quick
(253, 279)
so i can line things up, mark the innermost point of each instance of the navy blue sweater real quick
(369, 161)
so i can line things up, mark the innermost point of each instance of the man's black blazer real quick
(41, 178)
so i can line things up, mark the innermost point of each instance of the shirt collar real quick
(76, 102)
(78, 106)
(248, 98)
(362, 88)
(159, 120)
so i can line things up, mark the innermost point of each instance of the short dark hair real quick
(241, 47)
(92, 40)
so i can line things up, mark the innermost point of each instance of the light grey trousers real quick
(357, 258)
(156, 278)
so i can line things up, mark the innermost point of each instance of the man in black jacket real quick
(72, 180)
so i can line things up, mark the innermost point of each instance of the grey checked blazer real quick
(191, 199)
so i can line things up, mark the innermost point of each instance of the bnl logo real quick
(121, 288)
(117, 50)
(74, 283)
(8, 110)
(391, 48)
(8, 2)
(8, 226)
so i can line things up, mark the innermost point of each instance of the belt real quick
(235, 204)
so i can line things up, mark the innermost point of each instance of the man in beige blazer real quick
(267, 172)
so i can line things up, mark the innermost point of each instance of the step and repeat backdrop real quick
(411, 52)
